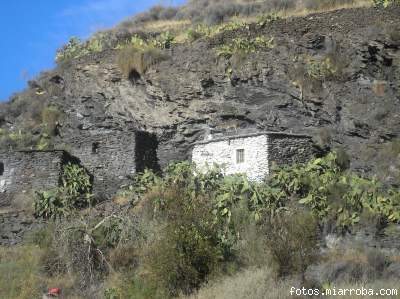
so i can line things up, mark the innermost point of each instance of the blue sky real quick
(32, 31)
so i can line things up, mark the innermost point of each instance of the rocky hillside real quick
(334, 75)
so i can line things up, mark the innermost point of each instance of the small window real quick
(1, 168)
(240, 156)
(95, 147)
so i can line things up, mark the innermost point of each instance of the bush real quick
(75, 48)
(85, 246)
(385, 3)
(292, 241)
(74, 193)
(188, 249)
(327, 189)
(243, 45)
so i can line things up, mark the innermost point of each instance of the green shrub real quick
(292, 241)
(385, 3)
(75, 48)
(321, 69)
(75, 183)
(327, 189)
(111, 293)
(48, 204)
(264, 20)
(72, 194)
(164, 41)
(71, 50)
(245, 45)
(188, 249)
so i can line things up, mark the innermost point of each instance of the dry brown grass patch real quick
(134, 61)
(166, 25)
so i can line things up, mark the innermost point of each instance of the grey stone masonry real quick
(253, 154)
(111, 156)
(26, 171)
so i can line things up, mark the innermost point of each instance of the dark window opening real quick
(95, 147)
(134, 76)
(240, 156)
(1, 168)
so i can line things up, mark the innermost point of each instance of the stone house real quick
(22, 172)
(253, 154)
(111, 156)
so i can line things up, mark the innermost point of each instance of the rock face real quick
(335, 76)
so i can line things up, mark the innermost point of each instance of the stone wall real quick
(27, 171)
(112, 156)
(16, 225)
(288, 149)
(223, 152)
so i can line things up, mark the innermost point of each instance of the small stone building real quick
(111, 156)
(22, 172)
(253, 154)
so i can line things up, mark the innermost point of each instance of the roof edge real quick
(33, 151)
(225, 138)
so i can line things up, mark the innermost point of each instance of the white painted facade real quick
(225, 152)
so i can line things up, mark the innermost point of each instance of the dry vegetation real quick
(212, 236)
(134, 61)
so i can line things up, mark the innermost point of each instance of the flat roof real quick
(230, 137)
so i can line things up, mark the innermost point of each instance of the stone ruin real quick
(24, 171)
(110, 157)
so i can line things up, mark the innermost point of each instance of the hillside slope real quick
(334, 75)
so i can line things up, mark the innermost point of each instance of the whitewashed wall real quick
(223, 152)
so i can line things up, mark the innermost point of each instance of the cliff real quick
(333, 75)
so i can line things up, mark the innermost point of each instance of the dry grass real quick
(261, 284)
(349, 255)
(166, 25)
(134, 61)
(303, 11)
(248, 284)
(19, 272)
(21, 275)
(180, 27)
